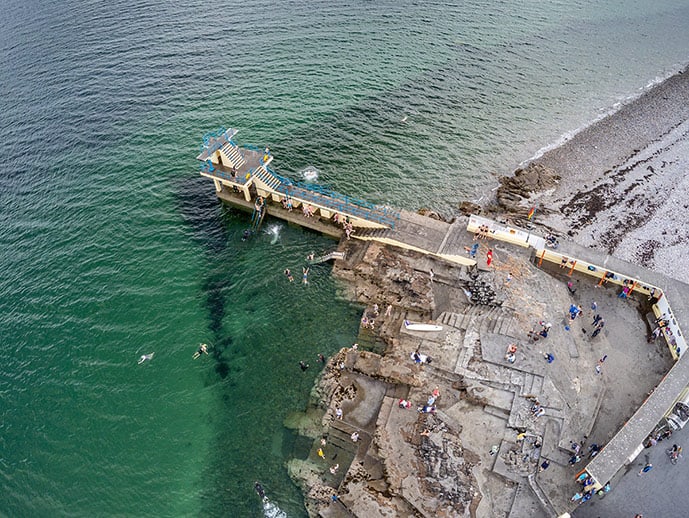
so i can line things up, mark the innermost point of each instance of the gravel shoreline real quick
(623, 181)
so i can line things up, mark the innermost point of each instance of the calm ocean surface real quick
(112, 246)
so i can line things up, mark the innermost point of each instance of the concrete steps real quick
(497, 412)
(460, 320)
(456, 240)
(232, 153)
(374, 233)
(531, 384)
(265, 177)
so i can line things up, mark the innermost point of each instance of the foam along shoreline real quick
(622, 181)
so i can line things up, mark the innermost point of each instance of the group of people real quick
(482, 232)
(626, 289)
(588, 489)
(304, 275)
(574, 311)
(543, 333)
(537, 410)
(429, 407)
(368, 323)
(347, 225)
(287, 203)
(307, 210)
(551, 241)
(658, 436)
(419, 358)
(598, 325)
(661, 323)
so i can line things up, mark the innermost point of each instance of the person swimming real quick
(145, 357)
(259, 489)
(203, 349)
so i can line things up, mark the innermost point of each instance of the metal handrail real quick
(315, 193)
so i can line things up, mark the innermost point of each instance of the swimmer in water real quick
(203, 349)
(145, 357)
(288, 273)
(259, 489)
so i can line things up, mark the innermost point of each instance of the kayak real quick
(417, 326)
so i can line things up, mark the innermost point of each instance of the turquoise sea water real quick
(112, 246)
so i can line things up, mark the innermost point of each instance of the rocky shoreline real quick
(620, 185)
(616, 186)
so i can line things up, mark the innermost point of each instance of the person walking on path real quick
(489, 257)
(648, 467)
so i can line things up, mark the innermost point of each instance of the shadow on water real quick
(260, 326)
(211, 225)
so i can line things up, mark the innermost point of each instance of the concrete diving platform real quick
(243, 178)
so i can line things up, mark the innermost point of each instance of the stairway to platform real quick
(232, 153)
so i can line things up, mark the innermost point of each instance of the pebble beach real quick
(623, 181)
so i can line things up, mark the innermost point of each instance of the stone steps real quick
(455, 240)
(374, 233)
(532, 384)
(497, 412)
(443, 374)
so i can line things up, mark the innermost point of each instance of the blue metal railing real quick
(378, 214)
(309, 192)
(212, 170)
(214, 140)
